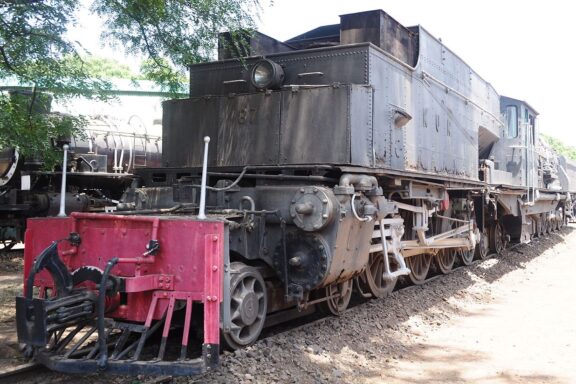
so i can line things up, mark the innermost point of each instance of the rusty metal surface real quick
(380, 29)
(301, 126)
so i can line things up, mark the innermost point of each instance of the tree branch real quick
(6, 60)
(149, 48)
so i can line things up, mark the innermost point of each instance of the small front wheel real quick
(248, 305)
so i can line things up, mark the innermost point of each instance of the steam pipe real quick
(103, 345)
(202, 213)
(120, 167)
(62, 212)
(363, 182)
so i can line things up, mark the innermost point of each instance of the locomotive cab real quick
(529, 170)
(515, 153)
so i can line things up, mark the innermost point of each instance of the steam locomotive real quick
(100, 168)
(295, 174)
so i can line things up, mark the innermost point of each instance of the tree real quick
(106, 68)
(36, 50)
(561, 148)
(172, 34)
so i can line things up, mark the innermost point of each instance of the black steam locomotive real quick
(100, 168)
(296, 173)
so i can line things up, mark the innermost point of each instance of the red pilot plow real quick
(123, 294)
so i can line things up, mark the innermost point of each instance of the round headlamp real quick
(267, 74)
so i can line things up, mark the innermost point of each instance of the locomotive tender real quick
(338, 161)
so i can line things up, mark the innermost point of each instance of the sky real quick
(522, 47)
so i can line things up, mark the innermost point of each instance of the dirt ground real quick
(10, 286)
(505, 320)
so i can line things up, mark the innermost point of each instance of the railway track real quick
(20, 372)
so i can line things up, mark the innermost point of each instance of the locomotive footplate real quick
(186, 367)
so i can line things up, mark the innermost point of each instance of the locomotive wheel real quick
(541, 227)
(482, 248)
(8, 244)
(419, 266)
(372, 278)
(496, 238)
(445, 260)
(338, 304)
(248, 304)
(466, 256)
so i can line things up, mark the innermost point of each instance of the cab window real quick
(532, 128)
(511, 121)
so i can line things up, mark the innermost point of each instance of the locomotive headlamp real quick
(267, 74)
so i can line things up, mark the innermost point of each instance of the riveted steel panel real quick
(362, 129)
(249, 130)
(340, 64)
(315, 126)
(185, 123)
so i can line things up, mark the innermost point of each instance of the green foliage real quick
(172, 34)
(105, 68)
(33, 50)
(37, 50)
(561, 148)
(169, 79)
(33, 47)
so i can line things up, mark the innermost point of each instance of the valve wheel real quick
(248, 305)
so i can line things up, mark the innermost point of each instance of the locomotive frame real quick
(338, 162)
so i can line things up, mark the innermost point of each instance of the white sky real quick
(523, 47)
